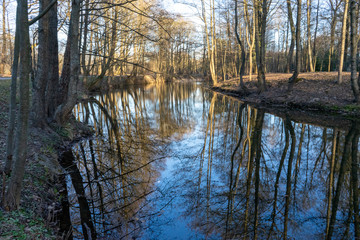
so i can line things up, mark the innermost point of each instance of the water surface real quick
(178, 161)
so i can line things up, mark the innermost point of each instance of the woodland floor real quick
(34, 220)
(313, 91)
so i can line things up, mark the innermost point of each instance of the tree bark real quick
(293, 36)
(353, 50)
(210, 47)
(315, 34)
(260, 38)
(12, 197)
(332, 40)
(10, 145)
(298, 50)
(71, 69)
(38, 116)
(53, 75)
(243, 58)
(310, 60)
(343, 39)
(4, 50)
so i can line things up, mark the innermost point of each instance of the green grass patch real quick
(22, 224)
(352, 108)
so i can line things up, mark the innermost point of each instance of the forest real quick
(68, 77)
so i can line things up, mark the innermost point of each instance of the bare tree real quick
(293, 37)
(293, 78)
(353, 50)
(334, 9)
(260, 9)
(10, 143)
(310, 57)
(211, 48)
(12, 197)
(70, 75)
(343, 40)
(243, 58)
(4, 38)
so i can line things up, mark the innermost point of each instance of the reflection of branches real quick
(331, 177)
(322, 152)
(257, 155)
(273, 214)
(355, 181)
(343, 169)
(117, 175)
(290, 128)
(298, 160)
(231, 187)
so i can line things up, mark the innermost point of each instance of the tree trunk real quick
(315, 34)
(250, 37)
(53, 80)
(38, 116)
(343, 39)
(260, 38)
(293, 36)
(4, 50)
(210, 48)
(12, 197)
(243, 58)
(298, 51)
(353, 50)
(332, 40)
(71, 68)
(10, 145)
(311, 64)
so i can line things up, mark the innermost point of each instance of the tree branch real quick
(34, 20)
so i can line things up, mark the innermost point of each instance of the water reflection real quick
(179, 162)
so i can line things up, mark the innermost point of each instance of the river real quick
(178, 161)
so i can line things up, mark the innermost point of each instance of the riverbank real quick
(314, 92)
(43, 185)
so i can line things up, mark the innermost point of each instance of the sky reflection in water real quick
(177, 161)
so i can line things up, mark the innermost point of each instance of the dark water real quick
(181, 162)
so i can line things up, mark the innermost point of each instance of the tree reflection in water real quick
(175, 160)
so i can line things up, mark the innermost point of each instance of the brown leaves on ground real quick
(310, 89)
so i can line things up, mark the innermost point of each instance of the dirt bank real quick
(39, 216)
(315, 92)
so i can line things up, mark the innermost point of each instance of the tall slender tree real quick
(243, 56)
(261, 9)
(12, 198)
(4, 38)
(353, 50)
(295, 75)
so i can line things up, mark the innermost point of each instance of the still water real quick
(178, 161)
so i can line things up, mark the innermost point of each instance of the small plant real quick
(352, 108)
(22, 224)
